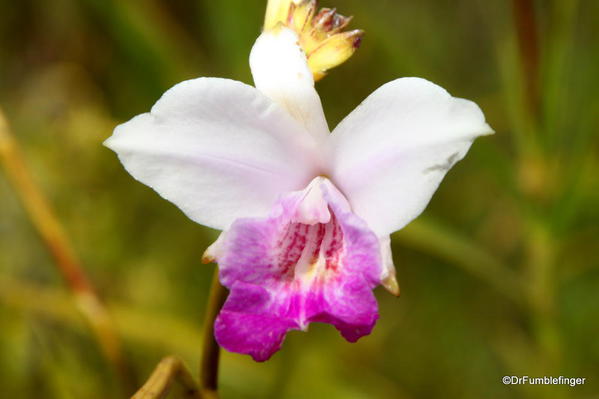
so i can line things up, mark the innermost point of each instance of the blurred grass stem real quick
(528, 45)
(211, 351)
(541, 269)
(436, 239)
(170, 370)
(540, 245)
(54, 237)
(154, 41)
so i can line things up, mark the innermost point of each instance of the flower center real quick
(310, 246)
(310, 252)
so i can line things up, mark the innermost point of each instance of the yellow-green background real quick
(500, 276)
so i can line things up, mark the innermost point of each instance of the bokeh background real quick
(499, 276)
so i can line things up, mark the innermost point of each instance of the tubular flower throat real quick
(320, 33)
(306, 214)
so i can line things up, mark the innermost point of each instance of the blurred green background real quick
(500, 276)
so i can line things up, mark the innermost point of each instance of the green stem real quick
(211, 350)
(541, 264)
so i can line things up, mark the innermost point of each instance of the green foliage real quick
(499, 276)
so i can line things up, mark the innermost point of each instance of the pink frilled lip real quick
(311, 260)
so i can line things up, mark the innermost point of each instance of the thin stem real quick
(169, 371)
(56, 240)
(528, 44)
(211, 350)
(540, 241)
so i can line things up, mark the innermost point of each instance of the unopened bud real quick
(320, 34)
(334, 51)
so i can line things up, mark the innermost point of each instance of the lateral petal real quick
(390, 154)
(218, 149)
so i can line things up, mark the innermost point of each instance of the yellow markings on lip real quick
(321, 34)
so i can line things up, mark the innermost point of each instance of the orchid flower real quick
(306, 213)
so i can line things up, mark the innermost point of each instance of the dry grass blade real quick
(53, 234)
(169, 371)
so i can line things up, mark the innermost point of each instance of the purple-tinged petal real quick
(390, 154)
(284, 274)
(244, 327)
(218, 149)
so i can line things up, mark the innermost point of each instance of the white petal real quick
(280, 71)
(390, 154)
(218, 149)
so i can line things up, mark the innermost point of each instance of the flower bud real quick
(334, 51)
(321, 35)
